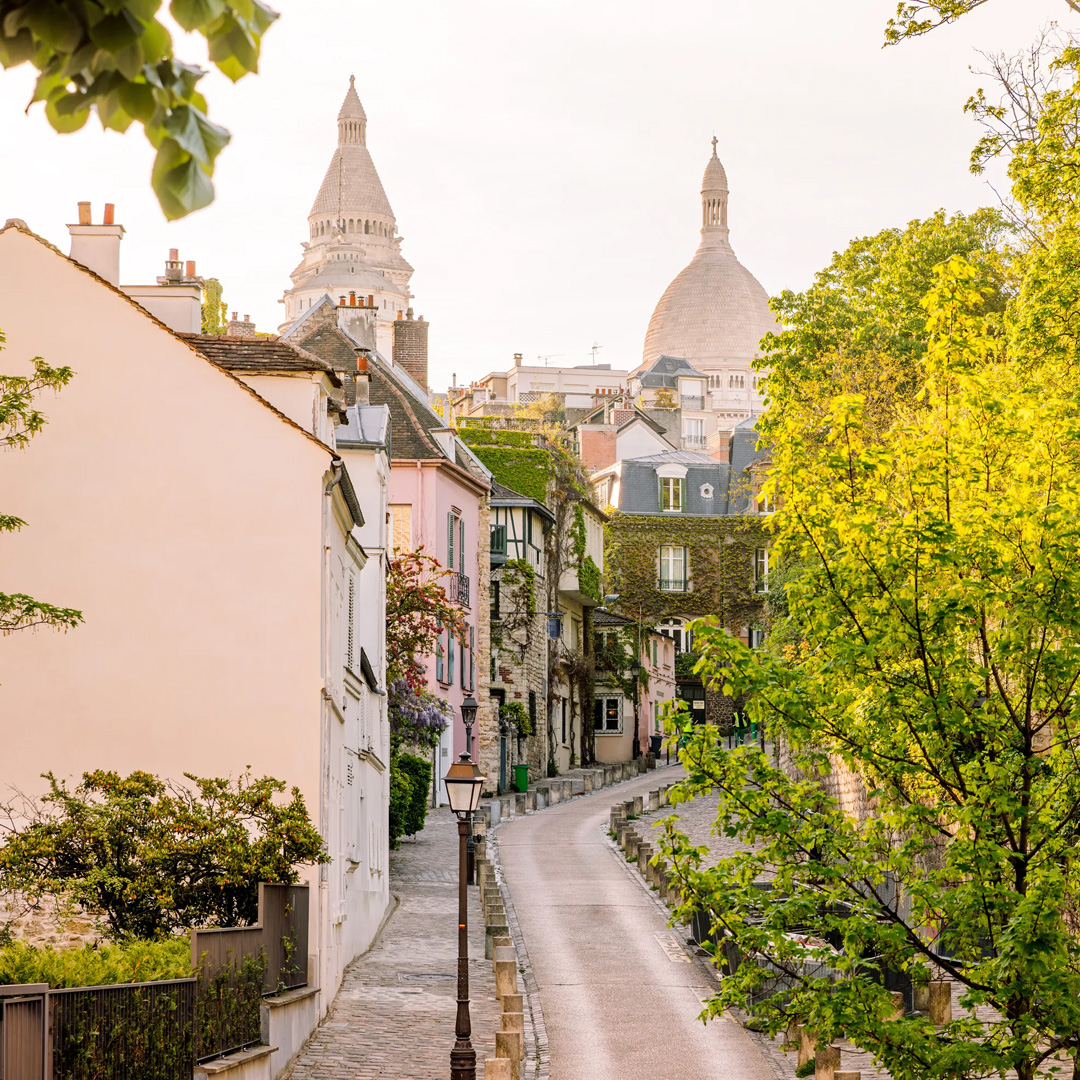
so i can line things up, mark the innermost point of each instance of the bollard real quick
(826, 1062)
(940, 1003)
(497, 1069)
(654, 800)
(503, 942)
(505, 972)
(511, 1044)
(847, 1074)
(898, 1005)
(637, 804)
(633, 841)
(806, 1047)
(513, 1021)
(493, 933)
(513, 1003)
(920, 997)
(530, 800)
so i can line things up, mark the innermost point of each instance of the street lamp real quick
(469, 709)
(463, 787)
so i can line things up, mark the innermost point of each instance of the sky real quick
(544, 157)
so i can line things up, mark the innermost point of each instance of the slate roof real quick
(265, 354)
(639, 487)
(365, 425)
(603, 618)
(664, 371)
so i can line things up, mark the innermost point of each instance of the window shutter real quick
(449, 541)
(349, 640)
(461, 545)
(450, 657)
(439, 658)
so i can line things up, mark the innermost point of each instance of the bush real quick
(401, 793)
(151, 857)
(418, 771)
(95, 965)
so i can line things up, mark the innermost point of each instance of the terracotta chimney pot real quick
(361, 364)
(352, 299)
(234, 316)
(174, 254)
(370, 300)
(110, 213)
(190, 270)
(84, 213)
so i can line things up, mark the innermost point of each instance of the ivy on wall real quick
(589, 578)
(487, 436)
(525, 469)
(720, 566)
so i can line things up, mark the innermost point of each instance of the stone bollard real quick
(513, 1021)
(826, 1062)
(505, 972)
(609, 775)
(497, 1069)
(633, 842)
(504, 941)
(654, 800)
(806, 1047)
(920, 997)
(940, 1003)
(530, 800)
(494, 932)
(511, 1044)
(638, 805)
(898, 1005)
(520, 805)
(644, 854)
(513, 1003)
(847, 1074)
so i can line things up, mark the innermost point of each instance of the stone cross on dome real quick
(714, 146)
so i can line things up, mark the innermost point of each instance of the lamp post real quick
(469, 708)
(463, 786)
(635, 669)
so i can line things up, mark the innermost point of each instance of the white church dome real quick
(715, 310)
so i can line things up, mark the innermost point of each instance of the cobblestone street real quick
(394, 1014)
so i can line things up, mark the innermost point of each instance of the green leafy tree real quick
(20, 421)
(935, 663)
(917, 17)
(115, 57)
(150, 857)
(213, 308)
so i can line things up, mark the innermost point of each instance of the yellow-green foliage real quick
(524, 469)
(95, 965)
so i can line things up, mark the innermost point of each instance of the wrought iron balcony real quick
(458, 589)
(695, 442)
(673, 585)
(688, 401)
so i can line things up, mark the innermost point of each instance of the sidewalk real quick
(394, 1014)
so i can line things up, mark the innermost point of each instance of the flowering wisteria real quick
(417, 717)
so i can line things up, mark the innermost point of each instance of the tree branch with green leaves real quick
(115, 58)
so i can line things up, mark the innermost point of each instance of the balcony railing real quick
(695, 442)
(673, 585)
(691, 402)
(458, 589)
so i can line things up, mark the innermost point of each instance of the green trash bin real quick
(521, 776)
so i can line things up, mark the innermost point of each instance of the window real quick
(706, 491)
(400, 530)
(671, 493)
(757, 637)
(439, 659)
(494, 601)
(654, 652)
(764, 503)
(656, 716)
(498, 539)
(672, 568)
(450, 650)
(607, 715)
(761, 570)
(677, 631)
(694, 433)
(349, 646)
(607, 639)
(563, 720)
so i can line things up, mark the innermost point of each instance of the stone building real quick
(713, 315)
(353, 246)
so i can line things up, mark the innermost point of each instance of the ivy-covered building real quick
(534, 462)
(688, 538)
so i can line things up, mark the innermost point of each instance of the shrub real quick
(401, 793)
(151, 857)
(418, 771)
(96, 965)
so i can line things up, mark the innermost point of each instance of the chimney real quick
(236, 328)
(363, 380)
(410, 348)
(97, 247)
(189, 268)
(352, 299)
(517, 359)
(110, 212)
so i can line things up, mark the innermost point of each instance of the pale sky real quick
(544, 157)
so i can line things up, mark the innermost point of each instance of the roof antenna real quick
(594, 350)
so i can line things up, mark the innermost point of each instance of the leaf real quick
(193, 132)
(116, 32)
(17, 49)
(196, 14)
(54, 24)
(180, 182)
(137, 99)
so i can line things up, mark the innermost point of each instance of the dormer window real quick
(671, 494)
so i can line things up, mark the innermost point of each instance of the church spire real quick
(714, 202)
(351, 118)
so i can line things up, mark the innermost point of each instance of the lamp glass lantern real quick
(464, 784)
(469, 708)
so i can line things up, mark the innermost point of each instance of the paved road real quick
(617, 1004)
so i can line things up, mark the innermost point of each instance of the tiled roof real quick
(259, 354)
(665, 371)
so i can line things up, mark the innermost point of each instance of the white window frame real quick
(605, 702)
(668, 555)
(761, 570)
(676, 491)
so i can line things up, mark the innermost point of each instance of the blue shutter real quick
(450, 643)
(439, 657)
(449, 541)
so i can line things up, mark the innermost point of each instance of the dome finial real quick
(352, 85)
(714, 140)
